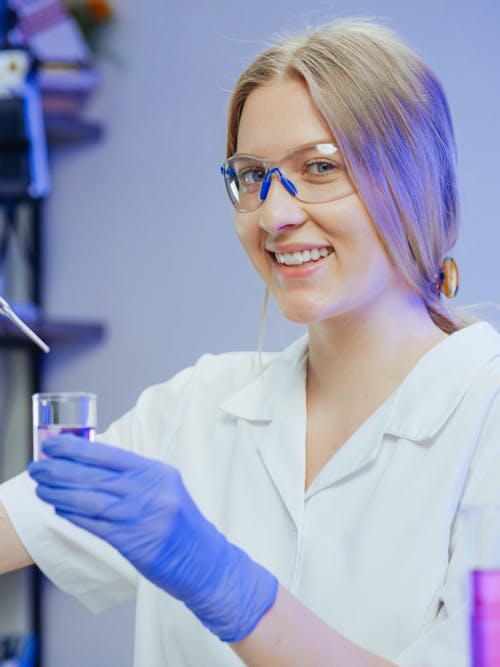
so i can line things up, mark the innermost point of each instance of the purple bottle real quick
(485, 618)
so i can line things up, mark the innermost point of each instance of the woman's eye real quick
(319, 167)
(251, 176)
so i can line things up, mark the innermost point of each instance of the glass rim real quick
(63, 394)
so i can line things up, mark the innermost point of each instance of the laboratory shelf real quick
(65, 130)
(53, 332)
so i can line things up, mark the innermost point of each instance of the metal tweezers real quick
(8, 312)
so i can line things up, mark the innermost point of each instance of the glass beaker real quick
(62, 412)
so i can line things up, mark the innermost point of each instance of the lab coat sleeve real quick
(444, 639)
(76, 561)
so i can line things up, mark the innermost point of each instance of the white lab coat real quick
(373, 546)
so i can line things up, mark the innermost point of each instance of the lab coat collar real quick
(423, 402)
(432, 390)
(258, 399)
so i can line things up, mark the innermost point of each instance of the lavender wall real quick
(138, 232)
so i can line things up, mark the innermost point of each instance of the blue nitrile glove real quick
(142, 508)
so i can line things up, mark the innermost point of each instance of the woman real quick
(316, 521)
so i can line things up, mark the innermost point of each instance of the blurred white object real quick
(14, 66)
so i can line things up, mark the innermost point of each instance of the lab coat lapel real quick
(283, 449)
(271, 412)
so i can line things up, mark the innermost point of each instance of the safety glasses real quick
(313, 174)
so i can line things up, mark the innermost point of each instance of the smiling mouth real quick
(304, 257)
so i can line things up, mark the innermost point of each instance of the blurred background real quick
(137, 233)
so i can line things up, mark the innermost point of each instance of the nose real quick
(279, 210)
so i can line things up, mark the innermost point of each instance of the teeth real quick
(295, 258)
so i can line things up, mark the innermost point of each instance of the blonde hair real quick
(390, 119)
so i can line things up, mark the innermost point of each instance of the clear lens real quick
(316, 171)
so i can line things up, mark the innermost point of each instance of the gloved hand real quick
(142, 508)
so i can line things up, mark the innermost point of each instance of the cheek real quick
(239, 228)
(357, 240)
(247, 231)
(249, 234)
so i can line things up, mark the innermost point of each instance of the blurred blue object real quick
(26, 310)
(18, 651)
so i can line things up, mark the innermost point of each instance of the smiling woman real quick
(391, 121)
(303, 510)
(353, 272)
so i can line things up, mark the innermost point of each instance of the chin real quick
(300, 314)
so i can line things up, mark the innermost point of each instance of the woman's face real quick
(356, 275)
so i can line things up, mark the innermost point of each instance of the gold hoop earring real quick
(446, 281)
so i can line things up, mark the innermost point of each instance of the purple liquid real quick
(485, 618)
(44, 432)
